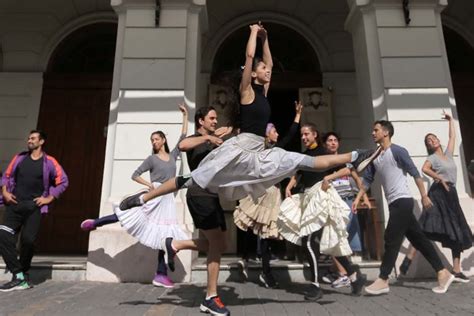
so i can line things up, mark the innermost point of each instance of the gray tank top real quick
(445, 168)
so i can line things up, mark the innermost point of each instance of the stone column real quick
(156, 67)
(403, 76)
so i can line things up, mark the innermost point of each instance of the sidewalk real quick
(93, 298)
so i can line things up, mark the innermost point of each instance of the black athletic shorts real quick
(207, 212)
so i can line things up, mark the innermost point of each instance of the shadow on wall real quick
(135, 263)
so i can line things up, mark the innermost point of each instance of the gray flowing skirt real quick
(242, 166)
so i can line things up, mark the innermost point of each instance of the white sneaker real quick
(342, 281)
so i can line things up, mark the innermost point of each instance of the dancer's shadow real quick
(191, 295)
(141, 258)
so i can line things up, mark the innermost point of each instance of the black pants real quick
(403, 223)
(311, 244)
(110, 219)
(26, 215)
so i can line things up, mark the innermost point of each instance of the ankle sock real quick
(211, 296)
(20, 276)
(141, 199)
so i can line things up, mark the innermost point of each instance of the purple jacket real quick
(55, 180)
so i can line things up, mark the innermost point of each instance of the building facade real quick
(100, 75)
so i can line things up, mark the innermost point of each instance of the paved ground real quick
(93, 298)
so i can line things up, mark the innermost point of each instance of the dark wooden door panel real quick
(74, 120)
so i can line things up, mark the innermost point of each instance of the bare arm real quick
(290, 186)
(246, 92)
(184, 125)
(192, 142)
(428, 170)
(452, 133)
(360, 185)
(143, 182)
(340, 173)
(425, 200)
(267, 55)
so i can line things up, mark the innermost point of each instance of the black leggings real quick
(110, 219)
(403, 223)
(311, 244)
(24, 216)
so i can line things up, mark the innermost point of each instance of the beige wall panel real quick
(413, 106)
(155, 43)
(345, 105)
(409, 42)
(394, 17)
(14, 106)
(152, 74)
(414, 72)
(140, 18)
(149, 108)
(342, 61)
(173, 18)
(20, 61)
(137, 139)
(411, 134)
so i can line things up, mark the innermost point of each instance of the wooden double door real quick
(74, 114)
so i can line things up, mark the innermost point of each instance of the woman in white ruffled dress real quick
(156, 219)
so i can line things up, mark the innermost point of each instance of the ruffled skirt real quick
(304, 214)
(445, 221)
(153, 221)
(242, 166)
(260, 216)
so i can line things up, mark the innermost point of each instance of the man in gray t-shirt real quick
(393, 164)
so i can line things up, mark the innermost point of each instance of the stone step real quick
(56, 268)
(283, 270)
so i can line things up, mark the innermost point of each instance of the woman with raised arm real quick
(156, 219)
(445, 221)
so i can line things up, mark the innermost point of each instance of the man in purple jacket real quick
(30, 183)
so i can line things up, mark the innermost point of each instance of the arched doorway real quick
(74, 114)
(461, 65)
(296, 66)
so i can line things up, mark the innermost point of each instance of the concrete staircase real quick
(284, 271)
(57, 268)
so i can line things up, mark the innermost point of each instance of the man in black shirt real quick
(30, 183)
(205, 208)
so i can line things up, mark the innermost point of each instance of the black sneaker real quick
(169, 252)
(268, 281)
(314, 293)
(132, 200)
(14, 285)
(214, 306)
(358, 284)
(405, 266)
(460, 277)
(365, 157)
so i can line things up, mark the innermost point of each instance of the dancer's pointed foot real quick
(132, 200)
(365, 157)
(88, 225)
